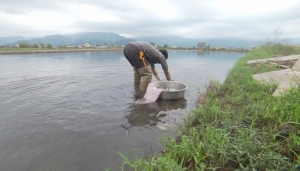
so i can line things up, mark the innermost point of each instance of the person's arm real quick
(164, 65)
(167, 74)
(155, 73)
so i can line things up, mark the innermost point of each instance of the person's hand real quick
(158, 77)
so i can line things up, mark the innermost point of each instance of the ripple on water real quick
(66, 111)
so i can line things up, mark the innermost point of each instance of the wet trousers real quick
(143, 76)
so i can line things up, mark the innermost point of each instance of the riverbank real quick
(238, 125)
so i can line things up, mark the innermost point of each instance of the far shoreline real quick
(33, 51)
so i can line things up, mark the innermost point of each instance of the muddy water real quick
(75, 111)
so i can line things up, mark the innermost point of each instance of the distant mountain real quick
(123, 41)
(57, 40)
(98, 38)
(225, 43)
(94, 38)
(185, 42)
(103, 36)
(170, 40)
(12, 39)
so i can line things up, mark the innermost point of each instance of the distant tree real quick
(35, 45)
(49, 46)
(42, 45)
(24, 45)
(166, 46)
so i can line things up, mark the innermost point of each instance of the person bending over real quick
(142, 56)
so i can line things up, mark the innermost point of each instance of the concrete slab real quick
(292, 80)
(284, 58)
(286, 78)
(273, 76)
(275, 59)
(296, 66)
(256, 61)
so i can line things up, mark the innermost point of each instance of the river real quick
(75, 111)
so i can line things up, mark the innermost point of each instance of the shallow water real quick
(75, 111)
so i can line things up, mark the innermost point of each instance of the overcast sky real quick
(200, 19)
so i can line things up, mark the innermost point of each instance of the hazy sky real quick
(246, 19)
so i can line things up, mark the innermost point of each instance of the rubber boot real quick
(146, 77)
(137, 76)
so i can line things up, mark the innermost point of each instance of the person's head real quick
(164, 52)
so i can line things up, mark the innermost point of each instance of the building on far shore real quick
(104, 46)
(231, 48)
(214, 48)
(201, 45)
(87, 45)
(70, 46)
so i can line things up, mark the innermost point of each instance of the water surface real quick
(75, 111)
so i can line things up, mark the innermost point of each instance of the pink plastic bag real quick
(152, 94)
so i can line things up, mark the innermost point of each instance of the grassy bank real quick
(237, 126)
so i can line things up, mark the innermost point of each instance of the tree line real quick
(35, 45)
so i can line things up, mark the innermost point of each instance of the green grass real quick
(240, 126)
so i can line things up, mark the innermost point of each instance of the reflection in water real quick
(202, 53)
(150, 114)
